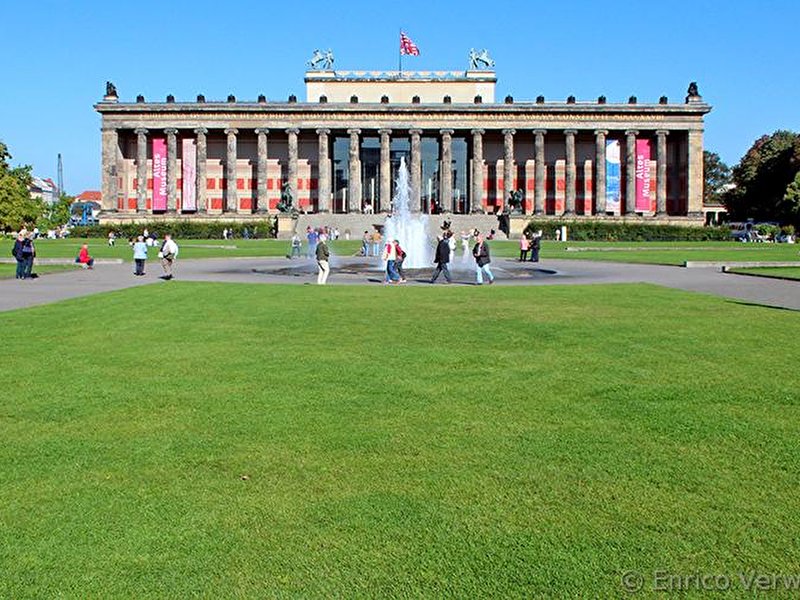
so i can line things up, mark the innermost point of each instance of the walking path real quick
(70, 284)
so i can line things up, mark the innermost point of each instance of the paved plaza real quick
(54, 287)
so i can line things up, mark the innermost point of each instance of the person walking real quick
(365, 244)
(536, 244)
(442, 259)
(84, 258)
(323, 256)
(168, 254)
(524, 245)
(401, 257)
(312, 237)
(296, 243)
(16, 252)
(139, 255)
(390, 256)
(482, 259)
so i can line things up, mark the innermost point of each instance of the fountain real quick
(410, 229)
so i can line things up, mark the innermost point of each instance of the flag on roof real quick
(407, 46)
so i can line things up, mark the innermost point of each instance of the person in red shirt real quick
(84, 258)
(398, 265)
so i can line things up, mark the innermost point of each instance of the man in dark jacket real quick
(16, 252)
(442, 258)
(482, 260)
(536, 244)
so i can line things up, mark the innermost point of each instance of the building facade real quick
(339, 151)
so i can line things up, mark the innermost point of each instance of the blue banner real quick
(613, 177)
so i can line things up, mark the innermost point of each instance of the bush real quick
(185, 230)
(604, 231)
(767, 230)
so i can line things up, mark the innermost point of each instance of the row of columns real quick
(355, 192)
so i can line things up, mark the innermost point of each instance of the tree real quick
(792, 199)
(57, 214)
(716, 178)
(17, 208)
(762, 178)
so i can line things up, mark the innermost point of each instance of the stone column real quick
(661, 173)
(232, 200)
(415, 200)
(172, 163)
(600, 171)
(695, 175)
(110, 171)
(477, 171)
(630, 172)
(539, 172)
(385, 196)
(508, 164)
(202, 154)
(291, 171)
(141, 170)
(571, 172)
(262, 201)
(324, 173)
(446, 171)
(354, 176)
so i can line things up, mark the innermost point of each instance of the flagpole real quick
(400, 54)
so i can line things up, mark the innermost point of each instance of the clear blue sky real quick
(58, 55)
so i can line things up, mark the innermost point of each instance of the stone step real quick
(354, 225)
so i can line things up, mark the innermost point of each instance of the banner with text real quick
(613, 184)
(159, 174)
(189, 164)
(643, 176)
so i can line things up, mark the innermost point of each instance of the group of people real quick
(167, 254)
(445, 248)
(530, 242)
(24, 251)
(371, 243)
(394, 255)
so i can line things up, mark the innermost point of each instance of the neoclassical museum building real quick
(339, 150)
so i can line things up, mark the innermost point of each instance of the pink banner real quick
(159, 174)
(643, 176)
(189, 164)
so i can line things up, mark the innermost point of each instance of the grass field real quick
(9, 271)
(258, 441)
(782, 272)
(670, 253)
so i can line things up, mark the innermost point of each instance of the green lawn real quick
(666, 253)
(68, 248)
(670, 253)
(405, 442)
(9, 271)
(782, 272)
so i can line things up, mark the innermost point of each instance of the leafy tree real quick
(17, 208)
(716, 178)
(57, 214)
(791, 199)
(762, 178)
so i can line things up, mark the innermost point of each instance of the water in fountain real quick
(410, 229)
